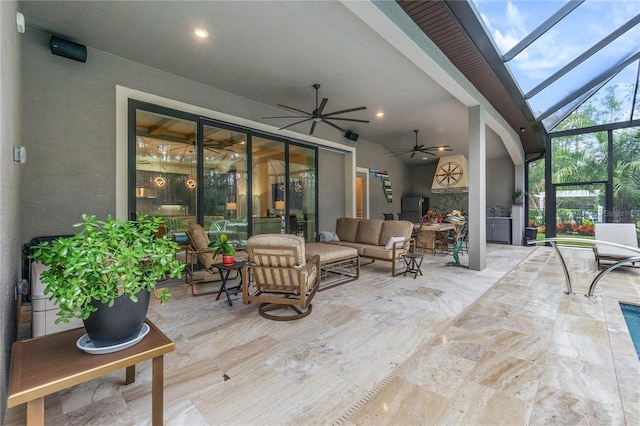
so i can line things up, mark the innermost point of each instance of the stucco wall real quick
(70, 133)
(10, 185)
(500, 183)
(374, 156)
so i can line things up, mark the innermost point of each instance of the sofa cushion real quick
(357, 246)
(394, 228)
(329, 252)
(369, 232)
(346, 228)
(379, 252)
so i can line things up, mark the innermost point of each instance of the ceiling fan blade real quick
(412, 155)
(333, 125)
(322, 105)
(348, 119)
(427, 152)
(287, 116)
(420, 147)
(293, 124)
(294, 109)
(344, 111)
(313, 127)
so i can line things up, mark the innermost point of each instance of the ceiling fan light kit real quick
(421, 149)
(318, 115)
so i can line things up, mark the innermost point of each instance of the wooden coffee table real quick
(51, 363)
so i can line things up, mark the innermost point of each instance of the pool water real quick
(632, 317)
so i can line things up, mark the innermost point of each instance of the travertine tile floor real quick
(501, 346)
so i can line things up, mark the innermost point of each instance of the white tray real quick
(86, 345)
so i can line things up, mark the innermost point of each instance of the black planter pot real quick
(119, 323)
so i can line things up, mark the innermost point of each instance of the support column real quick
(477, 189)
(517, 211)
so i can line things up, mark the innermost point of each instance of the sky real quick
(508, 22)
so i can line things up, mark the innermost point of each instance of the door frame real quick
(364, 171)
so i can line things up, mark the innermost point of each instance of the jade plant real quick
(106, 260)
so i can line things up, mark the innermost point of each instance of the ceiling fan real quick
(421, 149)
(318, 115)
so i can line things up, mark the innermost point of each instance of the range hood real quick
(452, 175)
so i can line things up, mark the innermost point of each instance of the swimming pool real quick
(632, 317)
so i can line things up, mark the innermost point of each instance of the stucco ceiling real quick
(273, 52)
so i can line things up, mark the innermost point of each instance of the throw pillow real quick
(393, 240)
(328, 236)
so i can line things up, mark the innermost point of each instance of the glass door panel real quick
(302, 192)
(165, 170)
(578, 208)
(626, 176)
(269, 191)
(225, 184)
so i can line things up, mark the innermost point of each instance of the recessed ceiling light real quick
(425, 158)
(380, 114)
(201, 33)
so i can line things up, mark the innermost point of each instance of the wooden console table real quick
(48, 364)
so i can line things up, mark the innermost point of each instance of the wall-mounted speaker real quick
(351, 136)
(68, 49)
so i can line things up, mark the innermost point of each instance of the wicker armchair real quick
(278, 276)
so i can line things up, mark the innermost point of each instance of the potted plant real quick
(517, 196)
(221, 245)
(108, 268)
(432, 215)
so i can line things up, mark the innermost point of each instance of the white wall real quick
(10, 185)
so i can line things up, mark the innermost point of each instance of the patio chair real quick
(278, 276)
(619, 233)
(199, 250)
(415, 234)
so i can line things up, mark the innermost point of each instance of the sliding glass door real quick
(269, 191)
(188, 169)
(302, 192)
(224, 183)
(164, 169)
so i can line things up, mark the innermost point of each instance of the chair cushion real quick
(369, 232)
(281, 240)
(198, 237)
